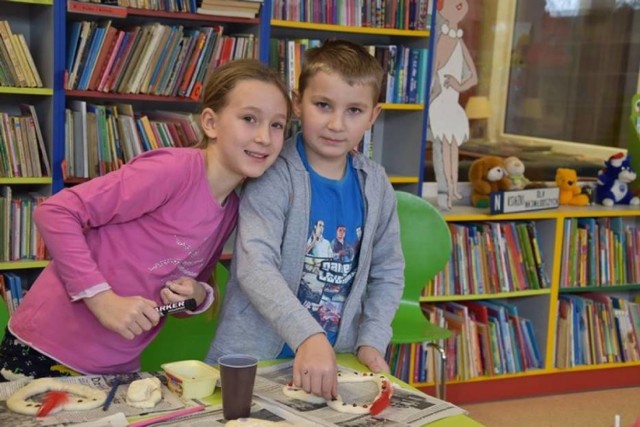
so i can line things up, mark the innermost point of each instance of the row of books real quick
(20, 237)
(600, 252)
(154, 59)
(100, 138)
(404, 68)
(489, 338)
(399, 14)
(187, 6)
(17, 67)
(400, 356)
(596, 328)
(12, 290)
(491, 257)
(22, 147)
(233, 8)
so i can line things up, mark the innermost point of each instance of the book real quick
(227, 11)
(6, 36)
(28, 109)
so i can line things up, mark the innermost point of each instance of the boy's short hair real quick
(350, 60)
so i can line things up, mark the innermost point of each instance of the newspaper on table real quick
(102, 382)
(407, 408)
(212, 416)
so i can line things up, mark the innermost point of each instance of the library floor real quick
(588, 409)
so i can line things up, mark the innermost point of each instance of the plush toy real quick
(486, 174)
(515, 172)
(613, 182)
(570, 192)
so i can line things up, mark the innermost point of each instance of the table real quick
(346, 360)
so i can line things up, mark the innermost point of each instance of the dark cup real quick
(237, 376)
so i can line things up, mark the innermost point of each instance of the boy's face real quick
(334, 117)
(249, 130)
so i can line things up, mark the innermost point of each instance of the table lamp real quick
(478, 111)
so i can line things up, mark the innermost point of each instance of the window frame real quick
(500, 60)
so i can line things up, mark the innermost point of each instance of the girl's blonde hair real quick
(350, 60)
(225, 78)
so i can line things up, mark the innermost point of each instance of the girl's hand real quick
(373, 359)
(182, 289)
(127, 316)
(315, 369)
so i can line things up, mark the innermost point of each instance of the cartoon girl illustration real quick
(447, 119)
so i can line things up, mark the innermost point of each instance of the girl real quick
(145, 235)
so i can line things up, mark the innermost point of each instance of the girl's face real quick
(248, 133)
(454, 10)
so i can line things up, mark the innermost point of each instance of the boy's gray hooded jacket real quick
(261, 309)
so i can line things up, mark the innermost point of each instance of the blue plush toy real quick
(613, 182)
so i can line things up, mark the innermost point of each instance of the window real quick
(573, 70)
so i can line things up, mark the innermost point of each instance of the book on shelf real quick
(20, 237)
(27, 64)
(29, 110)
(22, 150)
(19, 68)
(230, 8)
(153, 58)
(406, 15)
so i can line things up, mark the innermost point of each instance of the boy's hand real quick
(128, 316)
(373, 359)
(315, 369)
(182, 289)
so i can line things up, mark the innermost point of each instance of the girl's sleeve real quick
(136, 189)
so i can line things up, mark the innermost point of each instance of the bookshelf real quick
(132, 80)
(590, 352)
(26, 124)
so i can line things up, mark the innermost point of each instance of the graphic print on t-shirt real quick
(328, 273)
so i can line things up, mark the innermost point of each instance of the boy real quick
(283, 299)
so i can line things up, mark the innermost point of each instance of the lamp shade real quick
(478, 107)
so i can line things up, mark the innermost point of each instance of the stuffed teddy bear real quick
(515, 172)
(613, 182)
(570, 192)
(486, 174)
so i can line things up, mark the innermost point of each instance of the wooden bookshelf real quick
(30, 106)
(542, 306)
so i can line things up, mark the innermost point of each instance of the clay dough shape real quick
(144, 393)
(255, 422)
(380, 402)
(81, 397)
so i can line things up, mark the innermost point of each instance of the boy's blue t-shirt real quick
(333, 245)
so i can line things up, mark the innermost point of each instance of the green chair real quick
(185, 338)
(4, 318)
(426, 245)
